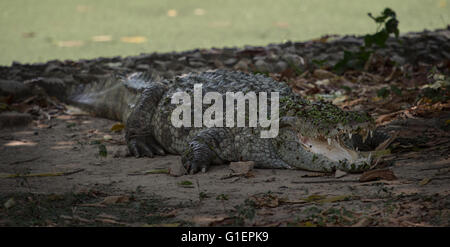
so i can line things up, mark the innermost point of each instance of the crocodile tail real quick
(111, 98)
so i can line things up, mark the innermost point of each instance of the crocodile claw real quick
(139, 148)
(193, 167)
(144, 146)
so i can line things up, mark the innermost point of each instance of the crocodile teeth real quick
(364, 138)
(350, 135)
(371, 134)
(329, 141)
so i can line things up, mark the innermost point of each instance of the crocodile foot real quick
(197, 157)
(144, 146)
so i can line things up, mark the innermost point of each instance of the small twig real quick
(198, 190)
(41, 174)
(24, 161)
(435, 168)
(232, 175)
(156, 171)
(432, 178)
(368, 62)
(385, 144)
(325, 181)
(72, 172)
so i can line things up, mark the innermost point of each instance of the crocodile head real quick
(315, 135)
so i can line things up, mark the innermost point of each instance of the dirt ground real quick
(53, 174)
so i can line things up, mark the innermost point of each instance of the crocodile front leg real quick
(211, 146)
(139, 130)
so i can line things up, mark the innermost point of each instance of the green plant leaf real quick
(102, 150)
(389, 13)
(378, 38)
(383, 93)
(391, 26)
(396, 90)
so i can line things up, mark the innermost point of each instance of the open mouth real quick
(334, 148)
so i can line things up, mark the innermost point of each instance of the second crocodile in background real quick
(312, 135)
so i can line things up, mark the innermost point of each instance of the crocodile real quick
(315, 136)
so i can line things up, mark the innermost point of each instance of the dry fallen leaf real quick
(362, 222)
(339, 174)
(322, 39)
(323, 74)
(265, 200)
(176, 224)
(74, 111)
(172, 13)
(109, 221)
(281, 24)
(107, 137)
(28, 34)
(314, 197)
(102, 38)
(351, 103)
(10, 203)
(308, 224)
(340, 99)
(424, 181)
(242, 167)
(386, 174)
(83, 8)
(107, 216)
(117, 127)
(115, 199)
(199, 11)
(209, 220)
(387, 117)
(70, 43)
(134, 39)
(177, 169)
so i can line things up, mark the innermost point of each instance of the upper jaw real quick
(333, 131)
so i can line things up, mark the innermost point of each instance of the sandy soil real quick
(419, 196)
